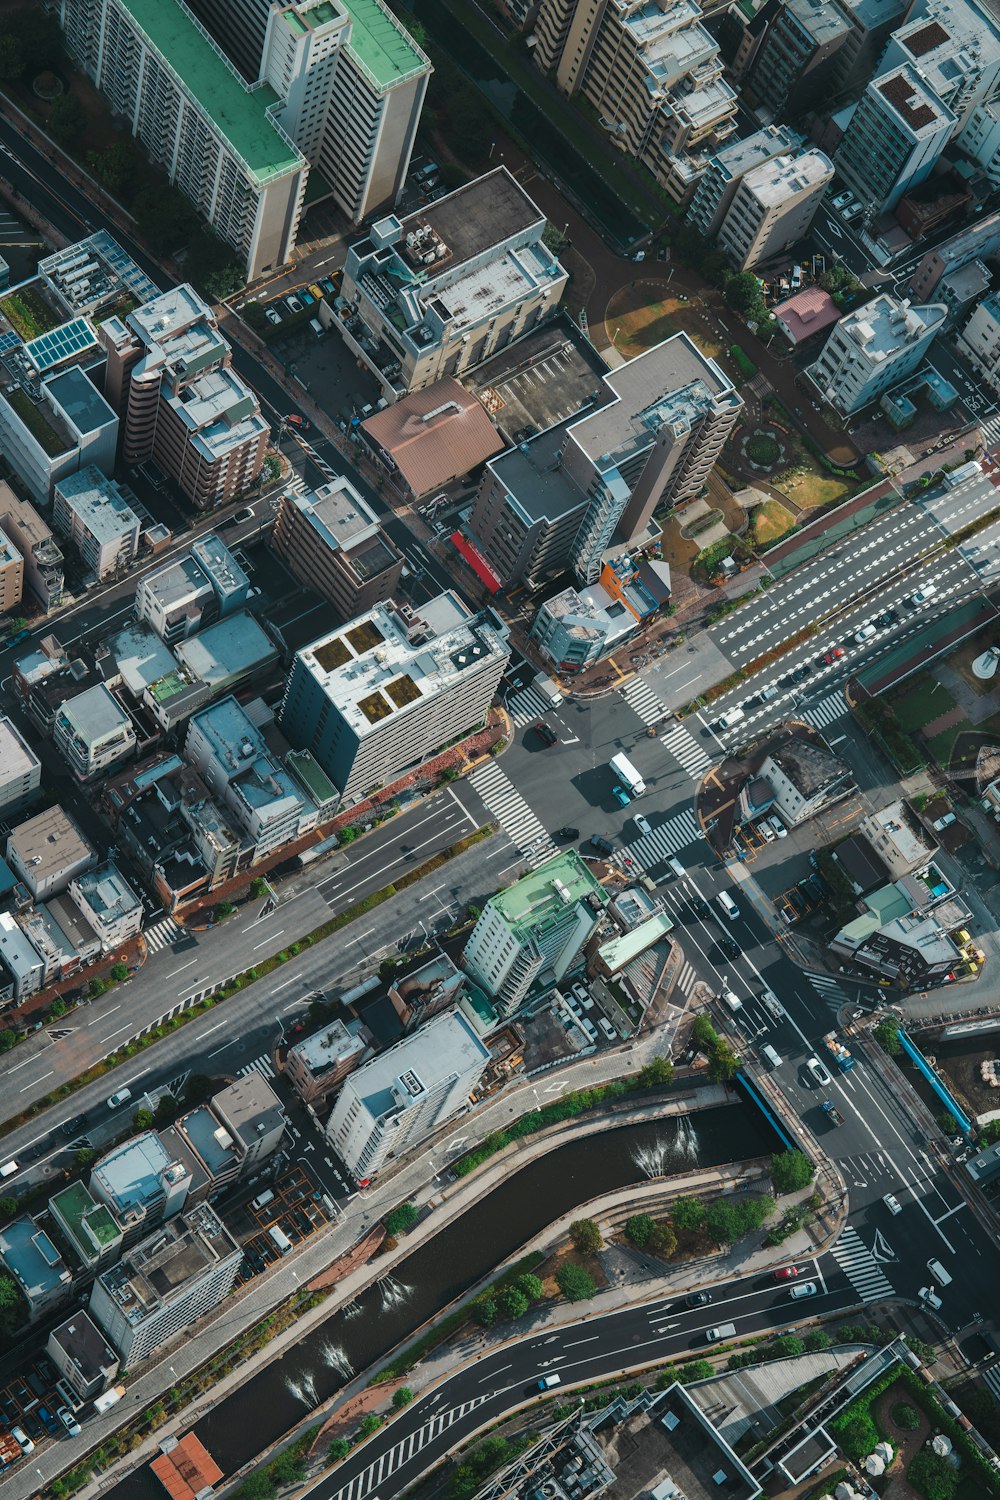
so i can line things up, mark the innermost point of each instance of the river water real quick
(352, 1339)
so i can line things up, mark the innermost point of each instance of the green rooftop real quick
(620, 950)
(380, 44)
(237, 114)
(537, 897)
(74, 1204)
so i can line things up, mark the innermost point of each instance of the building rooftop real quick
(220, 412)
(882, 326)
(239, 115)
(141, 657)
(675, 1451)
(210, 1139)
(16, 756)
(822, 19)
(131, 1175)
(387, 53)
(912, 101)
(807, 313)
(897, 823)
(434, 435)
(152, 1272)
(89, 1221)
(328, 1048)
(243, 755)
(249, 1107)
(185, 1468)
(95, 714)
(445, 1045)
(114, 273)
(99, 503)
(736, 158)
(621, 949)
(227, 649)
(48, 843)
(32, 1259)
(554, 885)
(337, 513)
(84, 1343)
(808, 767)
(107, 892)
(775, 181)
(19, 956)
(480, 216)
(80, 401)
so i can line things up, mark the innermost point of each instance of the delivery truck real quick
(628, 775)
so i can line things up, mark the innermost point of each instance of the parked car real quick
(306, 297)
(842, 200)
(293, 304)
(765, 830)
(567, 833)
(546, 733)
(272, 315)
(47, 1420)
(73, 1126)
(786, 1273)
(68, 1420)
(327, 286)
(641, 823)
(22, 1440)
(604, 845)
(778, 826)
(850, 213)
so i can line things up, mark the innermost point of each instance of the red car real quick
(834, 654)
(294, 420)
(786, 1273)
(546, 733)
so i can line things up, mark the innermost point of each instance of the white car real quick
(842, 200)
(68, 1420)
(607, 1028)
(22, 1440)
(818, 1071)
(864, 634)
(272, 315)
(778, 826)
(641, 823)
(850, 212)
(580, 991)
(804, 1289)
(892, 1204)
(293, 304)
(765, 830)
(929, 1295)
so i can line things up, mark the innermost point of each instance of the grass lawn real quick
(645, 323)
(920, 700)
(771, 521)
(641, 329)
(941, 745)
(810, 486)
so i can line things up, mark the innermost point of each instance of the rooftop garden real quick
(363, 637)
(28, 313)
(375, 707)
(332, 654)
(37, 423)
(402, 691)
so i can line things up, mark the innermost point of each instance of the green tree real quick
(907, 1417)
(8, 1206)
(753, 1212)
(695, 1369)
(791, 1170)
(119, 972)
(369, 1424)
(116, 167)
(688, 1214)
(932, 1476)
(143, 1119)
(270, 471)
(886, 1033)
(39, 36)
(786, 1346)
(58, 1007)
(66, 120)
(259, 1486)
(401, 1219)
(511, 1303)
(164, 216)
(485, 1312)
(703, 1034)
(401, 1398)
(574, 1283)
(723, 1222)
(198, 1088)
(816, 1339)
(723, 1063)
(662, 1241)
(530, 1287)
(85, 1156)
(638, 1228)
(166, 1107)
(12, 60)
(742, 291)
(9, 1294)
(586, 1236)
(254, 316)
(258, 888)
(8, 1038)
(288, 1468)
(856, 1433)
(658, 1070)
(338, 1450)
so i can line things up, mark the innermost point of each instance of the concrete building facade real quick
(94, 513)
(979, 340)
(726, 169)
(41, 557)
(872, 349)
(191, 592)
(896, 134)
(11, 575)
(93, 733)
(20, 771)
(47, 851)
(333, 542)
(773, 207)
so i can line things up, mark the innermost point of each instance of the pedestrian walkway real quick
(991, 1377)
(990, 430)
(527, 706)
(512, 813)
(640, 696)
(162, 935)
(686, 750)
(393, 1458)
(860, 1267)
(261, 1065)
(668, 838)
(686, 979)
(829, 990)
(827, 711)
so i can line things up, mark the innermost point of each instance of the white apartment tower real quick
(773, 207)
(872, 349)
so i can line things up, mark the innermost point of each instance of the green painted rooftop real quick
(237, 114)
(620, 950)
(76, 1204)
(535, 897)
(380, 44)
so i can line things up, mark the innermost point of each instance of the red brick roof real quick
(806, 313)
(187, 1469)
(433, 436)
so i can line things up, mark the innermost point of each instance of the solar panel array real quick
(52, 348)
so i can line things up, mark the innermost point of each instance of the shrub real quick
(886, 1033)
(906, 1416)
(688, 1214)
(401, 1219)
(638, 1228)
(143, 1119)
(586, 1236)
(402, 1397)
(575, 1283)
(530, 1287)
(119, 972)
(370, 1424)
(338, 1449)
(511, 1303)
(856, 1434)
(816, 1339)
(791, 1170)
(485, 1313)
(662, 1241)
(932, 1476)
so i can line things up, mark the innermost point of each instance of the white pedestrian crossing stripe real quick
(990, 430)
(685, 749)
(162, 935)
(527, 706)
(513, 814)
(379, 1470)
(687, 979)
(861, 1268)
(666, 839)
(261, 1065)
(640, 696)
(827, 711)
(828, 989)
(991, 1377)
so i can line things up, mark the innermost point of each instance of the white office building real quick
(773, 207)
(872, 349)
(396, 1100)
(727, 168)
(955, 44)
(93, 512)
(980, 340)
(109, 904)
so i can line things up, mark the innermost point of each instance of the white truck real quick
(628, 775)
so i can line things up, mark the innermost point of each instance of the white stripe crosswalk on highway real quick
(861, 1268)
(526, 706)
(513, 814)
(686, 750)
(640, 696)
(161, 935)
(393, 1458)
(676, 833)
(827, 711)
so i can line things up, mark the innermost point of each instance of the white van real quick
(727, 905)
(729, 718)
(280, 1238)
(770, 1056)
(923, 594)
(263, 1199)
(317, 327)
(548, 1381)
(8, 1169)
(733, 1002)
(937, 1270)
(676, 868)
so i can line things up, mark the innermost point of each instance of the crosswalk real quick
(830, 991)
(640, 696)
(684, 748)
(526, 706)
(991, 1377)
(378, 1471)
(295, 483)
(513, 814)
(861, 1268)
(990, 430)
(827, 711)
(666, 839)
(162, 935)
(687, 979)
(261, 1065)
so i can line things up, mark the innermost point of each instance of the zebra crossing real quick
(526, 706)
(162, 935)
(991, 1377)
(829, 990)
(640, 696)
(685, 749)
(990, 430)
(513, 813)
(261, 1065)
(675, 834)
(827, 711)
(378, 1471)
(861, 1268)
(295, 484)
(687, 979)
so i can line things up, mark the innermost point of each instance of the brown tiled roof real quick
(927, 38)
(900, 94)
(435, 435)
(187, 1469)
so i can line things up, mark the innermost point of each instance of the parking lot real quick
(295, 1206)
(29, 1401)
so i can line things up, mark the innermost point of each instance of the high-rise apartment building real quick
(773, 207)
(332, 541)
(980, 340)
(170, 372)
(400, 1097)
(11, 575)
(580, 492)
(40, 553)
(955, 46)
(653, 73)
(535, 930)
(873, 348)
(897, 132)
(727, 168)
(93, 512)
(187, 594)
(165, 1283)
(793, 56)
(20, 771)
(219, 142)
(381, 694)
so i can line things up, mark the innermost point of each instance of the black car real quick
(887, 618)
(729, 946)
(801, 673)
(546, 733)
(698, 1299)
(567, 833)
(604, 845)
(72, 1127)
(701, 906)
